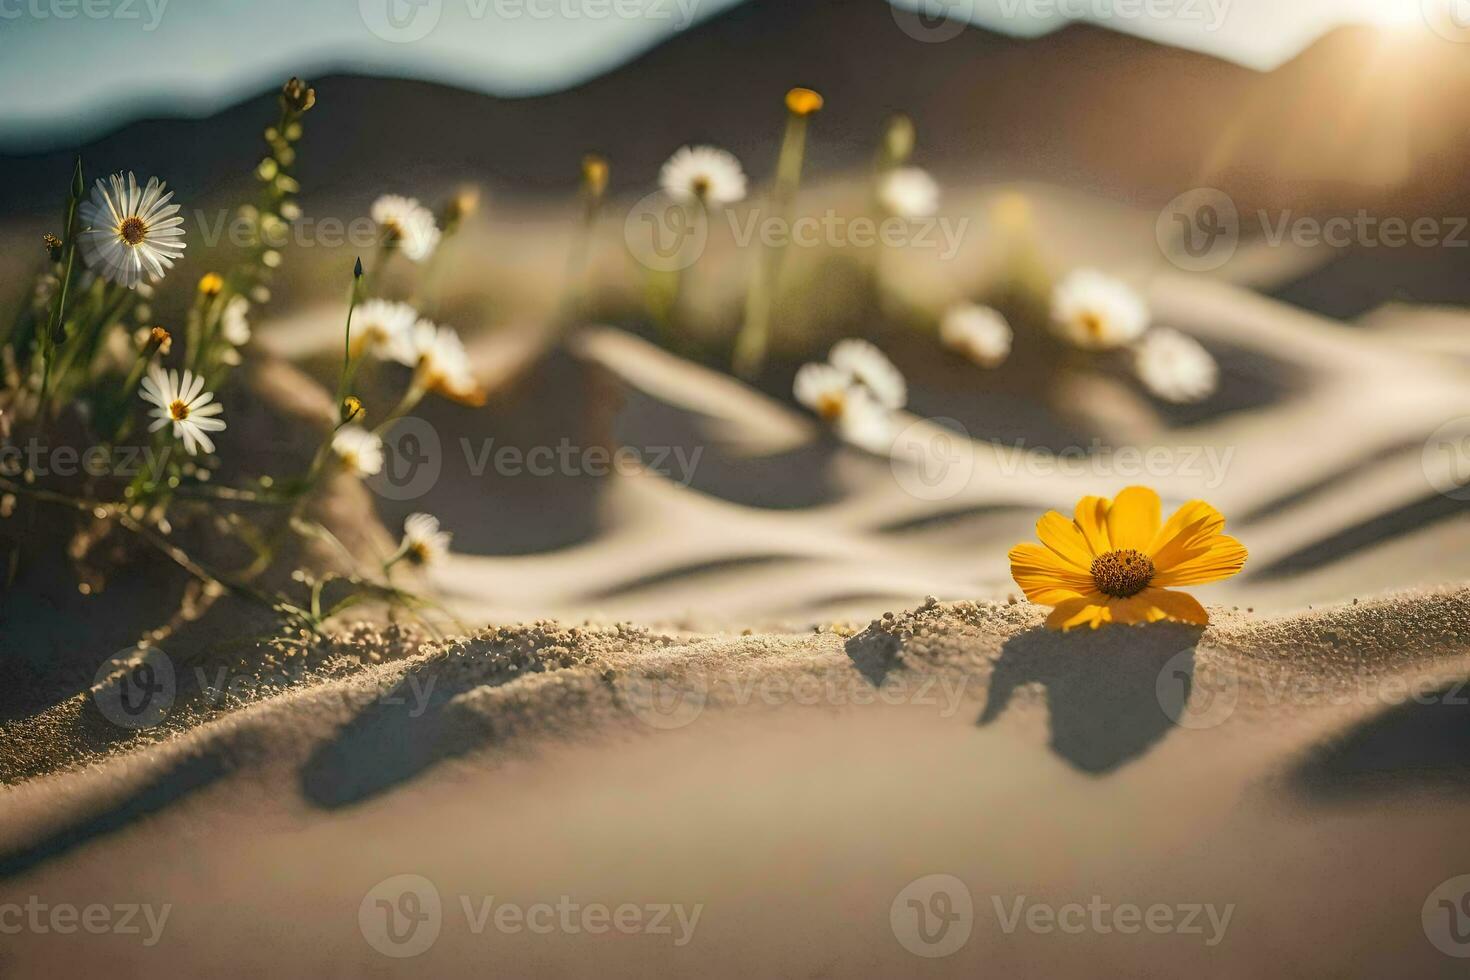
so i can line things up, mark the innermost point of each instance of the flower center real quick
(178, 410)
(1093, 324)
(418, 553)
(1122, 573)
(133, 231)
(392, 231)
(701, 186)
(831, 406)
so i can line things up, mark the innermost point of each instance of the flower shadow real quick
(1112, 693)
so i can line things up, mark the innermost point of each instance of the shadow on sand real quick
(185, 777)
(1423, 744)
(1112, 694)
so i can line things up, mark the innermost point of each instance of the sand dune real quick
(959, 731)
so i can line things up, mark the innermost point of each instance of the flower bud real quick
(157, 341)
(297, 96)
(461, 206)
(594, 174)
(804, 102)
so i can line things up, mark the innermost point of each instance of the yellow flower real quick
(1115, 562)
(211, 284)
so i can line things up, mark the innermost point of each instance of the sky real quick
(75, 68)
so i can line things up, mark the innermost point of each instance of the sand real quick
(801, 783)
(719, 699)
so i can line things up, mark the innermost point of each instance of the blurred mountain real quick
(1361, 119)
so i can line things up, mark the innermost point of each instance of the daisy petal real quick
(1222, 558)
(1084, 610)
(1196, 517)
(1092, 521)
(1176, 605)
(1133, 519)
(1046, 579)
(1061, 535)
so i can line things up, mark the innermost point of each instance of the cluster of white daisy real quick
(1096, 312)
(73, 351)
(856, 391)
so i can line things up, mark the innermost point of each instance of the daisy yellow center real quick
(831, 406)
(178, 410)
(1093, 324)
(701, 186)
(133, 231)
(1122, 573)
(392, 230)
(418, 553)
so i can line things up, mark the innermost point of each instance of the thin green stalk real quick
(353, 298)
(68, 261)
(754, 338)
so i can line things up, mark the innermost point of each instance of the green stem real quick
(69, 255)
(754, 338)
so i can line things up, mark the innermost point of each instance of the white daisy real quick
(1097, 312)
(909, 192)
(379, 324)
(1175, 367)
(867, 425)
(234, 322)
(130, 233)
(977, 332)
(703, 173)
(824, 389)
(868, 366)
(423, 542)
(441, 360)
(360, 451)
(185, 404)
(408, 225)
(848, 407)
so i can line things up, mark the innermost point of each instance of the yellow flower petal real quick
(1133, 518)
(1092, 521)
(1223, 557)
(1062, 536)
(1045, 578)
(1185, 534)
(1176, 605)
(1085, 610)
